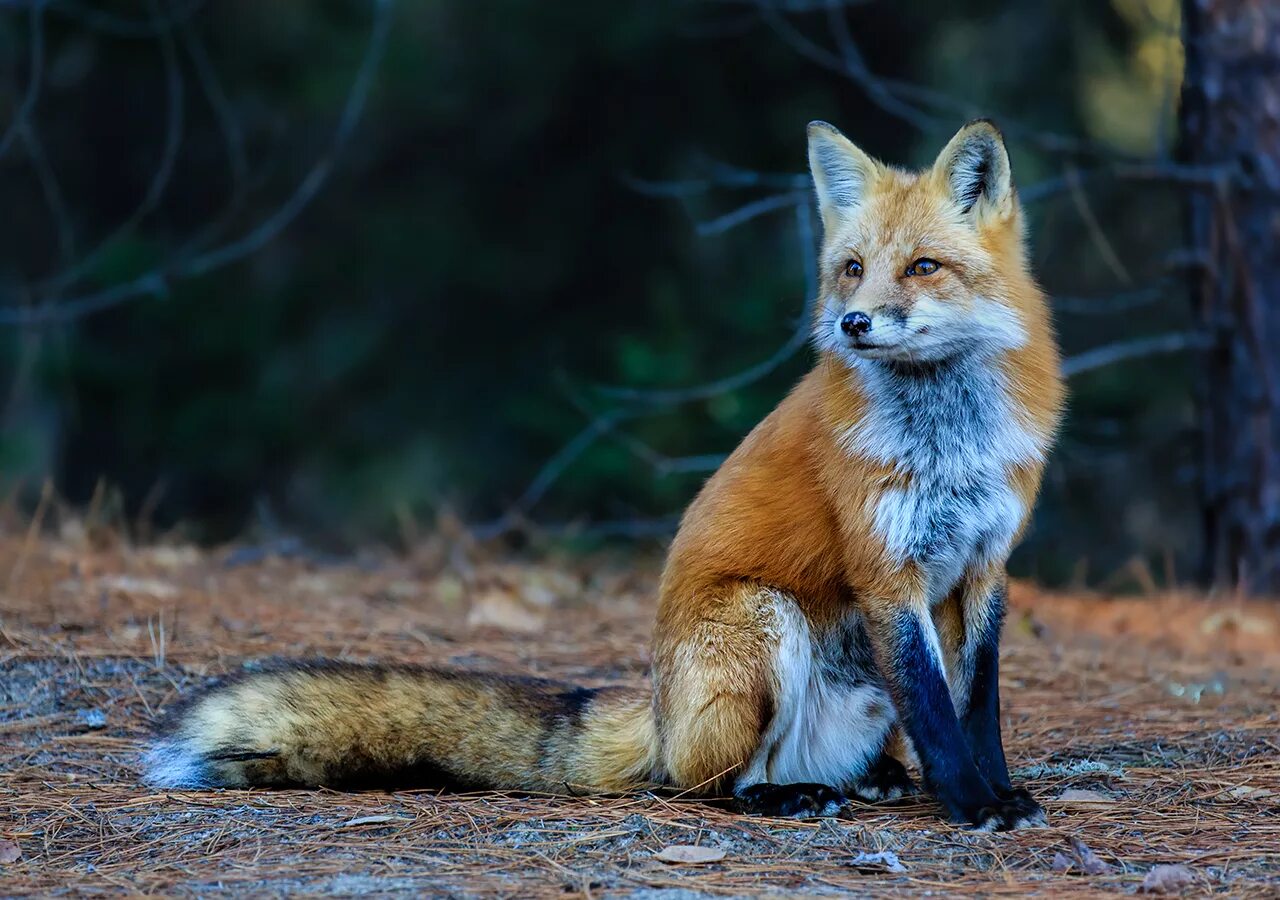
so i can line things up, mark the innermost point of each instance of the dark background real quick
(231, 307)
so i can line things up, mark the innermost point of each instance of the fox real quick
(831, 606)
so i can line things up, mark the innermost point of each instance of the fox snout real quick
(855, 324)
(882, 326)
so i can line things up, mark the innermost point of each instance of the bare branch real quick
(52, 190)
(902, 99)
(631, 528)
(211, 85)
(1114, 304)
(719, 174)
(752, 210)
(233, 139)
(1110, 354)
(808, 251)
(662, 464)
(122, 26)
(850, 67)
(1099, 237)
(174, 114)
(34, 77)
(158, 281)
(749, 375)
(550, 472)
(320, 172)
(1162, 171)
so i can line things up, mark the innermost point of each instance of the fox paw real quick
(790, 801)
(1014, 810)
(887, 779)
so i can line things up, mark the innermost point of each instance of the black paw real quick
(791, 801)
(887, 779)
(1013, 810)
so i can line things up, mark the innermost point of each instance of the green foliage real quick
(422, 335)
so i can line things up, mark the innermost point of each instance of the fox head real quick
(920, 267)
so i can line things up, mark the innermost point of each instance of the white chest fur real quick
(955, 433)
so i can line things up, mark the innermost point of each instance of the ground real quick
(1148, 727)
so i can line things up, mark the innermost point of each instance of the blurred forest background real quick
(331, 269)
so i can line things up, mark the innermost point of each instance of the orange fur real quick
(789, 509)
(778, 562)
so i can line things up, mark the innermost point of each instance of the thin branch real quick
(159, 184)
(902, 99)
(634, 528)
(158, 281)
(806, 234)
(52, 190)
(1153, 171)
(749, 211)
(219, 102)
(559, 463)
(719, 175)
(1100, 240)
(1110, 354)
(550, 472)
(602, 424)
(122, 26)
(232, 137)
(750, 375)
(850, 68)
(663, 465)
(1111, 305)
(34, 78)
(320, 172)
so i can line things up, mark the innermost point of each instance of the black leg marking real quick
(887, 779)
(982, 715)
(924, 702)
(982, 718)
(790, 801)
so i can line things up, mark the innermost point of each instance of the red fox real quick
(831, 606)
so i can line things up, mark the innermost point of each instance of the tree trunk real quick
(1230, 120)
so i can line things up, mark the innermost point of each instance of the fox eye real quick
(923, 266)
(853, 269)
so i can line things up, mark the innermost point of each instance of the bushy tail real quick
(351, 726)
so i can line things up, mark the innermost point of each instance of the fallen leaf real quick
(1167, 880)
(1236, 620)
(886, 859)
(518, 598)
(1082, 859)
(1244, 790)
(1076, 795)
(373, 820)
(496, 607)
(138, 587)
(172, 557)
(9, 852)
(1089, 861)
(92, 718)
(685, 854)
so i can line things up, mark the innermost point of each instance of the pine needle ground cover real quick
(1149, 728)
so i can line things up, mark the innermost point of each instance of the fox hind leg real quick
(886, 779)
(712, 692)
(799, 800)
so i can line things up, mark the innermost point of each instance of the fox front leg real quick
(909, 654)
(982, 609)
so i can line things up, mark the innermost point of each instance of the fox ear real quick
(841, 172)
(975, 165)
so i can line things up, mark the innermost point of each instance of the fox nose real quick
(855, 324)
